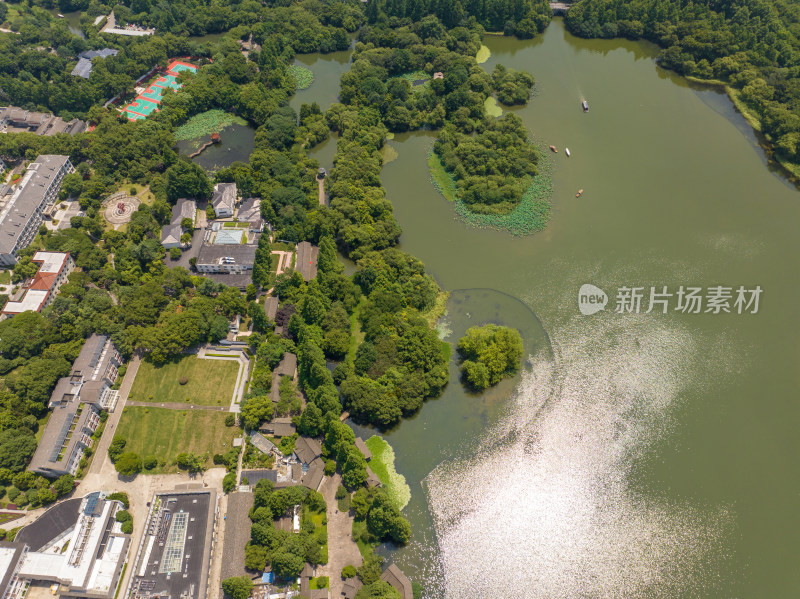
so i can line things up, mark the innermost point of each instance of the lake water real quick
(237, 142)
(327, 69)
(73, 20)
(637, 455)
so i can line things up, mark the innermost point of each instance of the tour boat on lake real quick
(566, 151)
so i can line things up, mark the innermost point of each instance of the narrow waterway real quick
(638, 455)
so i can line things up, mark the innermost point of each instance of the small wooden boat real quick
(585, 106)
(554, 149)
(566, 151)
(579, 194)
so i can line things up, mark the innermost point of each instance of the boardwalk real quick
(559, 8)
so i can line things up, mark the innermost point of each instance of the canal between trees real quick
(637, 455)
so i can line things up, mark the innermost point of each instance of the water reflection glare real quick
(546, 509)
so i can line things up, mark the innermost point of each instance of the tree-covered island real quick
(489, 353)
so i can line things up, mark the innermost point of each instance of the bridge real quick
(559, 8)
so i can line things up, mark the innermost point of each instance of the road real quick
(342, 550)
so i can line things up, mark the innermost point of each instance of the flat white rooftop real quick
(52, 262)
(32, 300)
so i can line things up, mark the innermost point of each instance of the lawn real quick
(5, 276)
(209, 382)
(165, 433)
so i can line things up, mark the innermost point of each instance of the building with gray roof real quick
(271, 307)
(76, 402)
(18, 120)
(224, 199)
(306, 262)
(312, 478)
(362, 447)
(84, 66)
(23, 212)
(171, 234)
(233, 259)
(395, 577)
(307, 449)
(279, 427)
(250, 212)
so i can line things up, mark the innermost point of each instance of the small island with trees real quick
(489, 353)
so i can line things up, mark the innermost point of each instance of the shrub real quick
(349, 572)
(183, 380)
(120, 496)
(219, 459)
(230, 420)
(150, 462)
(128, 463)
(116, 447)
(132, 191)
(330, 468)
(341, 492)
(229, 482)
(123, 516)
(13, 493)
(127, 527)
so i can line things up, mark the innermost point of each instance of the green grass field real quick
(210, 382)
(165, 433)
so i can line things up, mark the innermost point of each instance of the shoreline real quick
(791, 169)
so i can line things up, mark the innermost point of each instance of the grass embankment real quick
(382, 464)
(206, 123)
(483, 54)
(165, 433)
(302, 75)
(359, 528)
(209, 382)
(438, 309)
(529, 216)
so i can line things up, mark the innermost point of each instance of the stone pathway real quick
(175, 406)
(342, 550)
(242, 378)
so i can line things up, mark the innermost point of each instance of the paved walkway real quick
(342, 550)
(284, 261)
(321, 183)
(101, 461)
(174, 406)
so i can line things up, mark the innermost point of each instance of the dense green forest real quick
(751, 45)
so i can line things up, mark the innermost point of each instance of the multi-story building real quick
(77, 547)
(22, 212)
(171, 234)
(40, 291)
(16, 120)
(76, 403)
(228, 258)
(224, 199)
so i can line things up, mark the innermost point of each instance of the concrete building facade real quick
(23, 212)
(77, 401)
(54, 271)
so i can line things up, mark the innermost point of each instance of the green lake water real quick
(237, 142)
(636, 455)
(327, 69)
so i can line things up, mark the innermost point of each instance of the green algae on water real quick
(382, 464)
(206, 123)
(302, 75)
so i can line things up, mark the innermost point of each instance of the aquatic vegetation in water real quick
(206, 123)
(382, 464)
(483, 54)
(491, 107)
(529, 216)
(302, 75)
